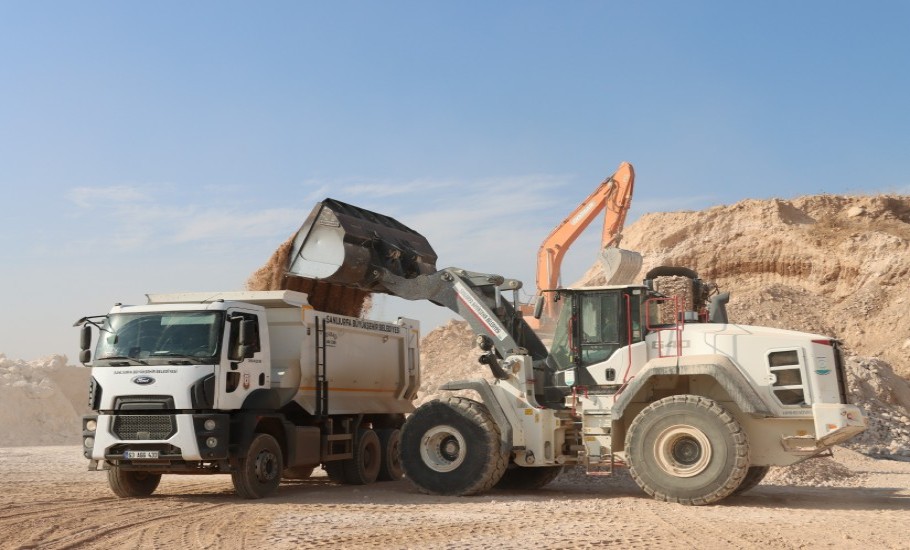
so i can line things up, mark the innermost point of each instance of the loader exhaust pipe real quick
(345, 245)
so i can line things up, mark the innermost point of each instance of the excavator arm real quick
(613, 195)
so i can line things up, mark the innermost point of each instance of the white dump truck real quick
(697, 407)
(255, 384)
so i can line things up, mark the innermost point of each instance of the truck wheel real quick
(126, 483)
(259, 471)
(754, 476)
(390, 444)
(452, 446)
(364, 467)
(335, 471)
(687, 449)
(525, 478)
(298, 472)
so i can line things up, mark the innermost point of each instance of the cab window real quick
(600, 316)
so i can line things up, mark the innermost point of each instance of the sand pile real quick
(885, 400)
(817, 472)
(322, 296)
(448, 354)
(42, 401)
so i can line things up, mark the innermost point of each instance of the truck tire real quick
(390, 445)
(364, 467)
(126, 483)
(298, 472)
(335, 471)
(452, 446)
(259, 470)
(687, 449)
(525, 478)
(754, 476)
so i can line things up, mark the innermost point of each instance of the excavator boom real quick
(613, 195)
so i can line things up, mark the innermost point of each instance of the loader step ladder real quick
(596, 455)
(322, 381)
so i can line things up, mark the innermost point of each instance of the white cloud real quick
(219, 224)
(88, 197)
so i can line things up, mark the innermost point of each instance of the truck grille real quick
(144, 426)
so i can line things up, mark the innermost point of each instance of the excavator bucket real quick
(345, 245)
(620, 266)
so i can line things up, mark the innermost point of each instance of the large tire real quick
(452, 446)
(390, 444)
(298, 472)
(754, 476)
(527, 478)
(687, 449)
(335, 471)
(364, 467)
(127, 483)
(259, 470)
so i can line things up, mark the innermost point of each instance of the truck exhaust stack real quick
(348, 246)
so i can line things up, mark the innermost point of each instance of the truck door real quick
(600, 319)
(241, 375)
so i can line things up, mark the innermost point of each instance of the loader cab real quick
(593, 324)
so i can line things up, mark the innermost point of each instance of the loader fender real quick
(720, 368)
(482, 387)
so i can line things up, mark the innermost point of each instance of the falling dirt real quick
(321, 295)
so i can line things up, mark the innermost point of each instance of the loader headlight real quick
(211, 442)
(89, 442)
(91, 425)
(209, 424)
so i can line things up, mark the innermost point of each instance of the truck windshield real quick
(161, 337)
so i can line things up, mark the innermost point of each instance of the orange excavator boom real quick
(614, 195)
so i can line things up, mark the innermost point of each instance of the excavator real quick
(613, 197)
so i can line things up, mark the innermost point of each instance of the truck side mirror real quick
(538, 306)
(247, 331)
(85, 342)
(85, 337)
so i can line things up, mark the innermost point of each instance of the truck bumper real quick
(170, 437)
(836, 423)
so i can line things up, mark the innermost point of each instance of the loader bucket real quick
(620, 266)
(345, 245)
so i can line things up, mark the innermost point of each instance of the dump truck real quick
(698, 408)
(258, 385)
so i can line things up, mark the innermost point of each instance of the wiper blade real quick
(123, 357)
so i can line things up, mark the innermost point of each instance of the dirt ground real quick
(49, 500)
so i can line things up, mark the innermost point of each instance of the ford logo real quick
(143, 380)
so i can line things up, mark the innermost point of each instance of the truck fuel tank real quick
(347, 245)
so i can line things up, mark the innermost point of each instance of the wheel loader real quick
(661, 382)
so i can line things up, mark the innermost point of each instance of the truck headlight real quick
(89, 442)
(91, 425)
(211, 442)
(209, 425)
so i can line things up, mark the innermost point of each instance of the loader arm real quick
(343, 245)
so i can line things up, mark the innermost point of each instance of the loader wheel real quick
(524, 478)
(364, 467)
(687, 449)
(390, 445)
(126, 483)
(259, 469)
(753, 477)
(298, 472)
(452, 446)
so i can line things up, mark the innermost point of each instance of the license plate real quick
(140, 455)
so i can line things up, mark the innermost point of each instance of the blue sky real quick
(172, 146)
